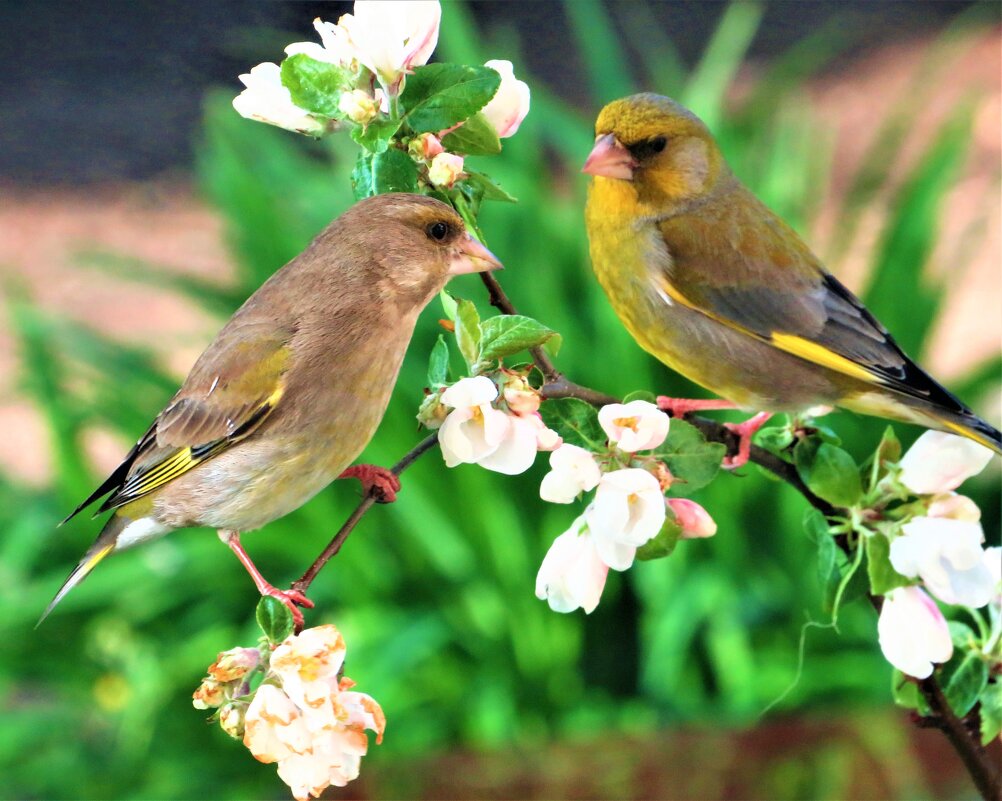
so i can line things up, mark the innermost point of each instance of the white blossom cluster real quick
(303, 716)
(380, 43)
(942, 548)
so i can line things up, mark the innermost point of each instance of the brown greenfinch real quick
(293, 386)
(717, 287)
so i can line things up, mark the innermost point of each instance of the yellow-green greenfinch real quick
(712, 283)
(293, 386)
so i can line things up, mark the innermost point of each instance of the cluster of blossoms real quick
(629, 508)
(303, 714)
(940, 545)
(373, 50)
(498, 430)
(503, 431)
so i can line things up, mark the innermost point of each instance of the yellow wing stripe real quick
(168, 469)
(790, 343)
(819, 354)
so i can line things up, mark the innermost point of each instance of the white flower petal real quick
(571, 575)
(913, 632)
(266, 100)
(947, 555)
(634, 426)
(939, 462)
(510, 103)
(573, 471)
(517, 450)
(473, 391)
(629, 509)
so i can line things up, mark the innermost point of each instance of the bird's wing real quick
(761, 279)
(230, 391)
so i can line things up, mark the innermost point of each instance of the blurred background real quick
(138, 210)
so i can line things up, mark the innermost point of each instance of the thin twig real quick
(303, 583)
(986, 778)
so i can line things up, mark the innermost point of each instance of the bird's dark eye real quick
(438, 231)
(648, 147)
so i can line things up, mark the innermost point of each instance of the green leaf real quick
(575, 421)
(315, 85)
(829, 472)
(692, 460)
(775, 439)
(468, 331)
(506, 334)
(379, 173)
(449, 304)
(377, 135)
(905, 691)
(888, 452)
(475, 137)
(487, 187)
(437, 96)
(438, 363)
(640, 394)
(274, 618)
(963, 679)
(883, 577)
(991, 712)
(828, 569)
(662, 544)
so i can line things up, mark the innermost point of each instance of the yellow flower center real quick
(631, 423)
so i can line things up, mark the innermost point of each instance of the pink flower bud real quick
(522, 401)
(445, 169)
(693, 518)
(234, 664)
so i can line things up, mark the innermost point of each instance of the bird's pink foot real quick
(745, 432)
(291, 598)
(680, 407)
(378, 482)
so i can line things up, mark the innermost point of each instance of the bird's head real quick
(411, 245)
(663, 149)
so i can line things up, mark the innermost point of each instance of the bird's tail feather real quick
(103, 545)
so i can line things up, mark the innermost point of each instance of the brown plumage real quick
(294, 385)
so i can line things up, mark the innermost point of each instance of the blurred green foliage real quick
(435, 593)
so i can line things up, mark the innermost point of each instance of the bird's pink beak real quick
(472, 257)
(610, 159)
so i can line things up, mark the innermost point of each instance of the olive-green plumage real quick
(294, 385)
(716, 286)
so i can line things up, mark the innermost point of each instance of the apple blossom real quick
(306, 665)
(516, 451)
(628, 510)
(939, 462)
(993, 561)
(955, 507)
(267, 100)
(510, 103)
(947, 555)
(573, 470)
(391, 37)
(210, 694)
(234, 664)
(231, 719)
(425, 147)
(634, 426)
(358, 106)
(572, 575)
(445, 169)
(335, 48)
(274, 727)
(693, 518)
(912, 631)
(473, 429)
